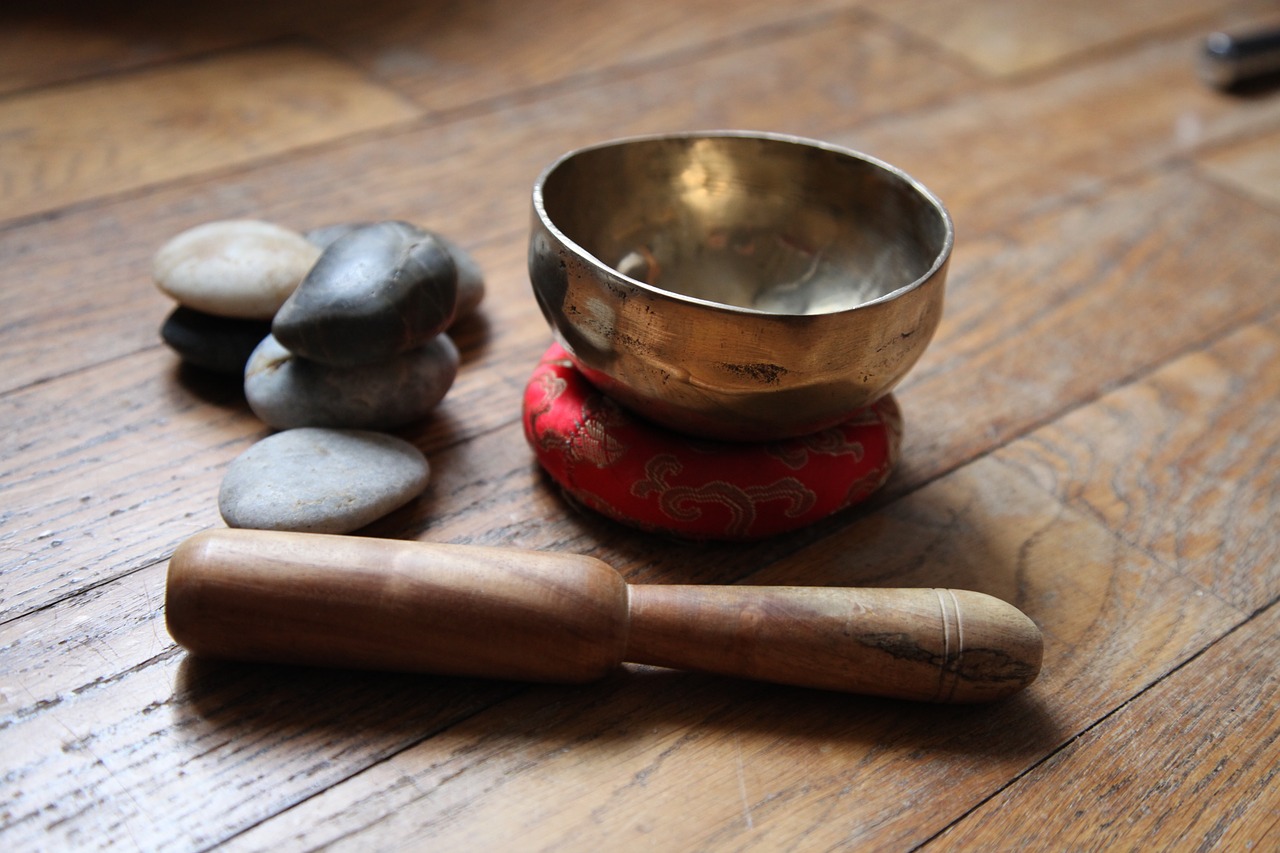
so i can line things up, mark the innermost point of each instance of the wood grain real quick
(1184, 464)
(1089, 436)
(774, 768)
(1199, 765)
(469, 179)
(1248, 167)
(75, 516)
(1001, 154)
(435, 52)
(1042, 349)
(169, 754)
(355, 602)
(1050, 310)
(1007, 38)
(516, 614)
(44, 43)
(984, 547)
(121, 313)
(204, 115)
(441, 53)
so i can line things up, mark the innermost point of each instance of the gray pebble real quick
(470, 278)
(321, 481)
(287, 391)
(240, 268)
(375, 292)
(220, 344)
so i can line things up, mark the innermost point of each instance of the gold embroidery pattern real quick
(683, 502)
(829, 442)
(552, 387)
(594, 440)
(591, 437)
(890, 416)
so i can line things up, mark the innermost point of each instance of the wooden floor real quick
(1094, 434)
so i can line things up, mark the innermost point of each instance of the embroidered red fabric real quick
(636, 472)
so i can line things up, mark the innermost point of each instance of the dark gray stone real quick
(287, 391)
(321, 481)
(220, 344)
(470, 277)
(375, 292)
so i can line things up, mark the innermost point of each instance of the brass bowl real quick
(738, 285)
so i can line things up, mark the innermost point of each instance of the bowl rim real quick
(940, 260)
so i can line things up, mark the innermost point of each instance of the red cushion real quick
(647, 476)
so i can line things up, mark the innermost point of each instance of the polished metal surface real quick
(738, 285)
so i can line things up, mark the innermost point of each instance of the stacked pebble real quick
(337, 334)
(360, 342)
(229, 278)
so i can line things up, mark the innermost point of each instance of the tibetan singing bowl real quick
(738, 285)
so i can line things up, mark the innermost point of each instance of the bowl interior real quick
(758, 223)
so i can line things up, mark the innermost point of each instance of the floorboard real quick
(1090, 436)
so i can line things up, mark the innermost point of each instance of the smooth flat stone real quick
(286, 391)
(375, 292)
(239, 268)
(220, 344)
(321, 481)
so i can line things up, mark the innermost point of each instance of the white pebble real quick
(234, 268)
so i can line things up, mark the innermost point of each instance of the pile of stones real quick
(339, 334)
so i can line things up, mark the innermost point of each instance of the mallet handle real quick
(507, 613)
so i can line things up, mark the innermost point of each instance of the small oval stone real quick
(287, 391)
(375, 292)
(220, 344)
(470, 277)
(240, 268)
(321, 481)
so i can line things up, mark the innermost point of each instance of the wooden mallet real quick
(347, 601)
